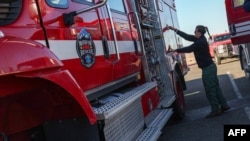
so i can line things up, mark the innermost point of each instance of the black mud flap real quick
(71, 130)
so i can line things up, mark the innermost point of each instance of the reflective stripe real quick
(66, 49)
(242, 29)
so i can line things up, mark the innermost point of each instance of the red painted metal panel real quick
(21, 55)
(238, 18)
(150, 101)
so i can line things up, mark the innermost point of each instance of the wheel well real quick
(44, 101)
(180, 74)
(240, 56)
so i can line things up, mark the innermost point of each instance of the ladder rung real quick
(146, 25)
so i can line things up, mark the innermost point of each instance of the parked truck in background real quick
(221, 47)
(238, 22)
(89, 70)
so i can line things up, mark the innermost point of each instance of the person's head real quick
(201, 30)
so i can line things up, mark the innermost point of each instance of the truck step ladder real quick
(153, 130)
(111, 108)
(122, 118)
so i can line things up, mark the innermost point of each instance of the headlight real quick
(1, 34)
(220, 49)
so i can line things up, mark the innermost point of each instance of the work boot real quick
(224, 108)
(213, 114)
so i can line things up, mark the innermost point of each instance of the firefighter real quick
(204, 60)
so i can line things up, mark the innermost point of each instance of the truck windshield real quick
(222, 37)
(58, 3)
(238, 3)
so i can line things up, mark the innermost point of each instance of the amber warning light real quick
(236, 132)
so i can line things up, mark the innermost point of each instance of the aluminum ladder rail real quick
(157, 63)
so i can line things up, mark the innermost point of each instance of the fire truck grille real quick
(9, 11)
(127, 125)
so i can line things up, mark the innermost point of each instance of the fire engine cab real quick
(238, 22)
(89, 70)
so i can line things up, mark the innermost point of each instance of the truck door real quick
(121, 40)
(182, 58)
(168, 16)
(80, 45)
(238, 21)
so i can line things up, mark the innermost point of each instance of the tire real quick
(217, 59)
(243, 61)
(179, 104)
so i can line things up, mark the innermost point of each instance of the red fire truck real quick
(89, 70)
(238, 21)
(220, 47)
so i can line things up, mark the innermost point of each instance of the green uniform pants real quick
(212, 88)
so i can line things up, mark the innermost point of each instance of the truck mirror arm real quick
(68, 18)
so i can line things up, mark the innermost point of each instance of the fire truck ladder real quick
(154, 45)
(152, 42)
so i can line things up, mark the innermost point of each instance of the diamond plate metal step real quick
(118, 104)
(125, 125)
(149, 134)
(153, 131)
(167, 101)
(161, 118)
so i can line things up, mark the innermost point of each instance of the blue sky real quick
(210, 13)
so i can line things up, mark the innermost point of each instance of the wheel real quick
(243, 61)
(217, 59)
(179, 104)
(3, 136)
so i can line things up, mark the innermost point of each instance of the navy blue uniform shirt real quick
(200, 49)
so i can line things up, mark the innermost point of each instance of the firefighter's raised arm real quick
(169, 27)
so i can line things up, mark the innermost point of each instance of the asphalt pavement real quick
(195, 127)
